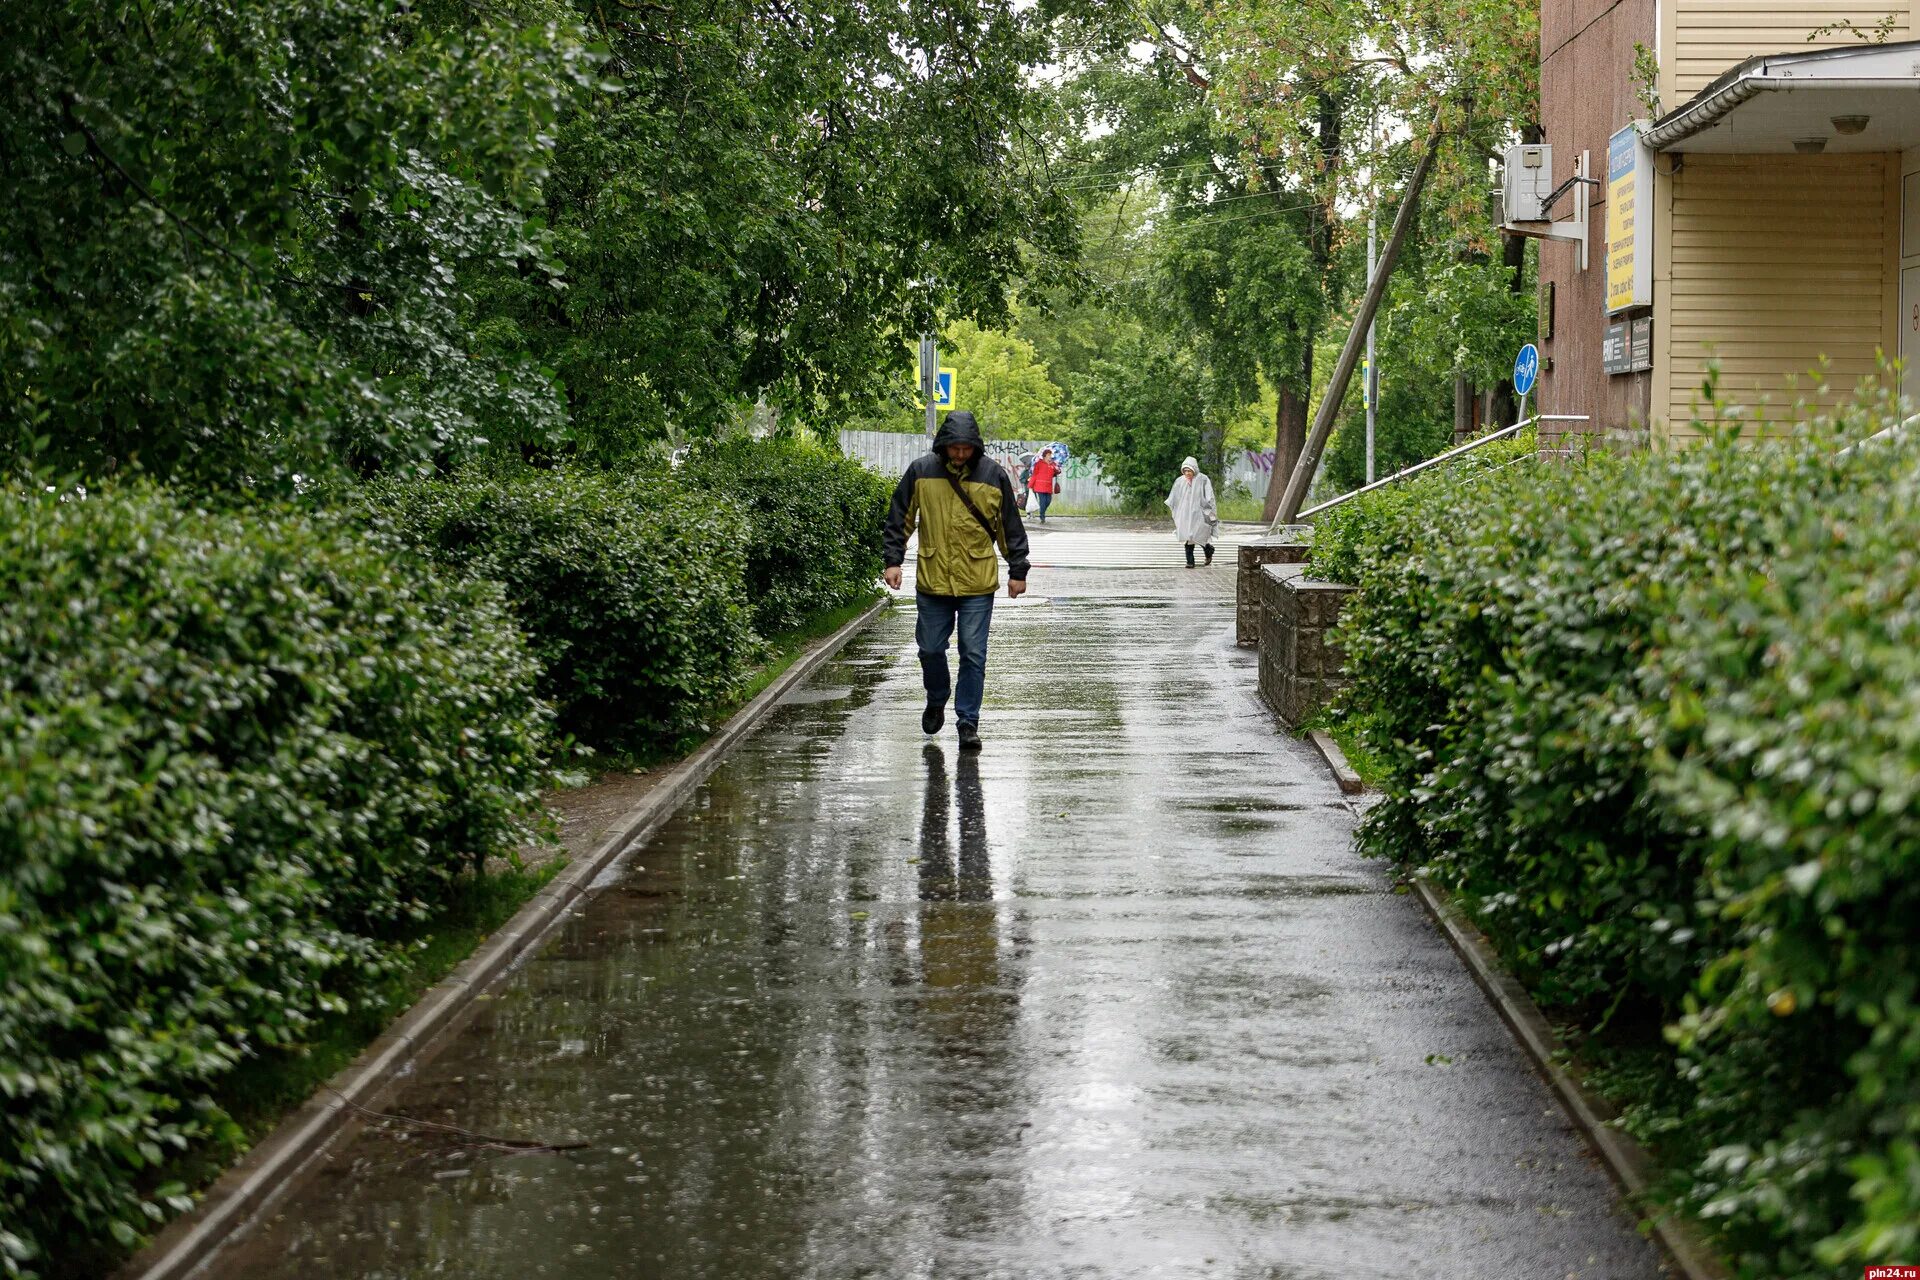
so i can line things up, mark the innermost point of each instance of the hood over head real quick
(1190, 465)
(958, 427)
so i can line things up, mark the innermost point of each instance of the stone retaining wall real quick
(1300, 670)
(1290, 546)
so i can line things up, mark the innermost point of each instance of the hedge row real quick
(632, 593)
(814, 541)
(1656, 721)
(237, 756)
(242, 756)
(641, 593)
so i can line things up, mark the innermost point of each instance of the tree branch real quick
(1182, 57)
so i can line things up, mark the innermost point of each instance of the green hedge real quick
(1656, 720)
(1342, 535)
(238, 756)
(632, 591)
(816, 523)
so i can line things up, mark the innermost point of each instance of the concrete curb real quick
(1625, 1159)
(1350, 782)
(280, 1160)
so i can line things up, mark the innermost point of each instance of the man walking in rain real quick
(963, 504)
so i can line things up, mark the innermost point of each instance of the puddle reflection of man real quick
(941, 879)
(958, 946)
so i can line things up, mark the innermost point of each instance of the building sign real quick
(1629, 346)
(1629, 221)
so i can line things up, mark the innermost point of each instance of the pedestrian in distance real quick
(1045, 481)
(1195, 518)
(962, 502)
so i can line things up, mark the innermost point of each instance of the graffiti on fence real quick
(1015, 454)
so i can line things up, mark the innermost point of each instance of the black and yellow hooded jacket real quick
(956, 555)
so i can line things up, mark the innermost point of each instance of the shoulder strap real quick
(960, 491)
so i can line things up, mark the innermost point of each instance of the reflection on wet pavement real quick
(1114, 998)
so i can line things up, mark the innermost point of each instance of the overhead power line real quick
(1143, 169)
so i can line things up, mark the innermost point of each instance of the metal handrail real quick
(1482, 474)
(1439, 458)
(1885, 433)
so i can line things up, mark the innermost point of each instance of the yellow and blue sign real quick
(1629, 234)
(943, 390)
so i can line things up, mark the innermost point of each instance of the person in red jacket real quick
(1045, 481)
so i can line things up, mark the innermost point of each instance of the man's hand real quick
(891, 576)
(1016, 587)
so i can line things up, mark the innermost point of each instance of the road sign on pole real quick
(1526, 370)
(929, 381)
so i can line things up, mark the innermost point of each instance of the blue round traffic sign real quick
(1526, 367)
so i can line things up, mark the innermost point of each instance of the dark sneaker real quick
(933, 717)
(969, 736)
(1209, 555)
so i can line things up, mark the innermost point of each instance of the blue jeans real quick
(938, 616)
(1046, 500)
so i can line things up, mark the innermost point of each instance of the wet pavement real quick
(1114, 998)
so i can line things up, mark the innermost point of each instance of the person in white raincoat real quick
(1195, 518)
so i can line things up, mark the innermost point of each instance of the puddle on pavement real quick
(1239, 804)
(807, 694)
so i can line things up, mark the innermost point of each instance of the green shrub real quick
(816, 522)
(1786, 701)
(1654, 720)
(1341, 535)
(631, 591)
(237, 757)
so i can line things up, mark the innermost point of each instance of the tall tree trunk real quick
(1290, 414)
(1289, 435)
(1462, 408)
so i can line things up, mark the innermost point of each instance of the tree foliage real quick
(234, 236)
(784, 194)
(1258, 131)
(1140, 414)
(1000, 378)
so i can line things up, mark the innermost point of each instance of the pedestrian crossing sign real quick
(943, 390)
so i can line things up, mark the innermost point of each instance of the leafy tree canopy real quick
(1140, 414)
(1001, 379)
(784, 195)
(234, 235)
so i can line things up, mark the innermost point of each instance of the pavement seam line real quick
(284, 1158)
(1626, 1161)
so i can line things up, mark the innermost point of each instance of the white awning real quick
(1786, 102)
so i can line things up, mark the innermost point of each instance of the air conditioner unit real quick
(1528, 181)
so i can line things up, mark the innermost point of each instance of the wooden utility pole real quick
(1316, 444)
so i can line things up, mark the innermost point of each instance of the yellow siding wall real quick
(1772, 263)
(1705, 37)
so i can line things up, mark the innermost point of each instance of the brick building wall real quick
(1587, 93)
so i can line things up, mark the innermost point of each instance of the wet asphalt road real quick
(1113, 999)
